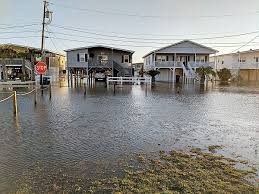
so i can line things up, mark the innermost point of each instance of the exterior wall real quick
(93, 54)
(249, 75)
(166, 75)
(231, 61)
(72, 59)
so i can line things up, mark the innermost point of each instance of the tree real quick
(224, 75)
(204, 72)
(153, 74)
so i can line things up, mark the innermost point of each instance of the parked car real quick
(100, 76)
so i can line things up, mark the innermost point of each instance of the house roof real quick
(99, 46)
(32, 48)
(176, 48)
(240, 52)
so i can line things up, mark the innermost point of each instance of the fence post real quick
(15, 109)
(121, 80)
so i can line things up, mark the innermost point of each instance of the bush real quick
(224, 74)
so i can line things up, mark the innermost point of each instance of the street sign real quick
(41, 67)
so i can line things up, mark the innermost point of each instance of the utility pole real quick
(46, 14)
(42, 41)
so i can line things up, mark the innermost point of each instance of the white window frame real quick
(82, 57)
(242, 59)
(126, 58)
(161, 58)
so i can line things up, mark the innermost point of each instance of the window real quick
(126, 59)
(256, 59)
(242, 60)
(222, 62)
(103, 59)
(82, 57)
(161, 58)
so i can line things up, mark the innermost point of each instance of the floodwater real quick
(103, 126)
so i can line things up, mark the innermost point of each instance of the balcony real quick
(245, 66)
(175, 64)
(100, 64)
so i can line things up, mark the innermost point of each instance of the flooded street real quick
(103, 126)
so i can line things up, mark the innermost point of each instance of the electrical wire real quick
(152, 39)
(140, 42)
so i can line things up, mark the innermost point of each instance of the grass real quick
(174, 172)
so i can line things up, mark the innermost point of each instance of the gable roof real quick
(100, 46)
(176, 48)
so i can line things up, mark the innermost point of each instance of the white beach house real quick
(179, 61)
(243, 65)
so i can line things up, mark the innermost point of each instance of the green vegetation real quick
(174, 172)
(203, 72)
(224, 75)
(153, 74)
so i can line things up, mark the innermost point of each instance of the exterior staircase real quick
(122, 71)
(188, 71)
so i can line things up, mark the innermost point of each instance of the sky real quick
(139, 25)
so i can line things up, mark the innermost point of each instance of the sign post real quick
(41, 68)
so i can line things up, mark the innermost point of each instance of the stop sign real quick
(41, 67)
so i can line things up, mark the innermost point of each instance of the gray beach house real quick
(95, 59)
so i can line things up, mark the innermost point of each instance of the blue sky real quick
(137, 25)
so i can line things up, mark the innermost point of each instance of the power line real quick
(152, 39)
(15, 32)
(246, 44)
(139, 42)
(18, 37)
(19, 26)
(124, 45)
(124, 13)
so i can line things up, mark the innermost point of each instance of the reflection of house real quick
(16, 68)
(178, 61)
(245, 64)
(100, 59)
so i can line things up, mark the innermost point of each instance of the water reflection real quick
(73, 129)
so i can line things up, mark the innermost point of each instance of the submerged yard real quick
(123, 143)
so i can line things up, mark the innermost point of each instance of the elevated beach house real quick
(178, 62)
(100, 59)
(22, 67)
(243, 65)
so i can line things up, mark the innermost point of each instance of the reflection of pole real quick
(50, 95)
(35, 96)
(15, 109)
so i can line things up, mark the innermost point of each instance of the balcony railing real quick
(175, 64)
(101, 63)
(245, 66)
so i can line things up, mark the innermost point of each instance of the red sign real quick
(41, 67)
